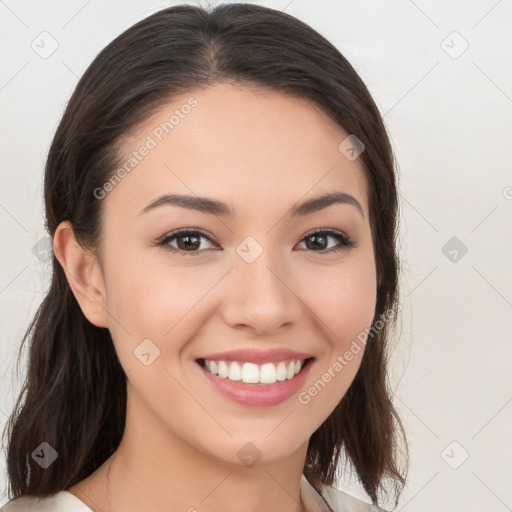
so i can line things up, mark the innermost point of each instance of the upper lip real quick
(258, 356)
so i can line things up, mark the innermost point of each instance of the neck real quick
(154, 470)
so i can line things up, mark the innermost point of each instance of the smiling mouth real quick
(257, 374)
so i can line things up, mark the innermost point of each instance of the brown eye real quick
(318, 241)
(187, 241)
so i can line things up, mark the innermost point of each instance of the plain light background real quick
(441, 74)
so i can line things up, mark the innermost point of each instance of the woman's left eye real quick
(189, 240)
(322, 237)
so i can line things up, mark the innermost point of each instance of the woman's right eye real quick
(187, 241)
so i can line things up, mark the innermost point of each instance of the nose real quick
(261, 297)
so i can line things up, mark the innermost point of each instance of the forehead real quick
(237, 144)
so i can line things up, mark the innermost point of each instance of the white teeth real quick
(267, 373)
(251, 373)
(235, 371)
(281, 371)
(290, 371)
(223, 369)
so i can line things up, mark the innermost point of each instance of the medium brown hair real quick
(74, 393)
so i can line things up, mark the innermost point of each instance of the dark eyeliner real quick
(164, 242)
(344, 241)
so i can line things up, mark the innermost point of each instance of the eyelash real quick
(344, 240)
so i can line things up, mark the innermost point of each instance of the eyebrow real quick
(215, 207)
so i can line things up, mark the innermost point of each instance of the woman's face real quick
(251, 280)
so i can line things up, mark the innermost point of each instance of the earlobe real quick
(83, 274)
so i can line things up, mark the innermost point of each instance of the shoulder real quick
(332, 500)
(61, 501)
(342, 501)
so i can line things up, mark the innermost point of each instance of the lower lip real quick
(257, 395)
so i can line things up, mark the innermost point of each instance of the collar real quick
(311, 499)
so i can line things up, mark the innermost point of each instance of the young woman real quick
(222, 201)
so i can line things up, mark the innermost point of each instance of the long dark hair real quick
(73, 370)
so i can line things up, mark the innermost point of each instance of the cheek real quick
(154, 302)
(345, 313)
(344, 301)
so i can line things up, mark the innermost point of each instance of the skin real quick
(261, 152)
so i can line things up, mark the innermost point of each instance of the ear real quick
(83, 273)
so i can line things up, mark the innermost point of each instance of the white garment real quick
(62, 501)
(333, 500)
